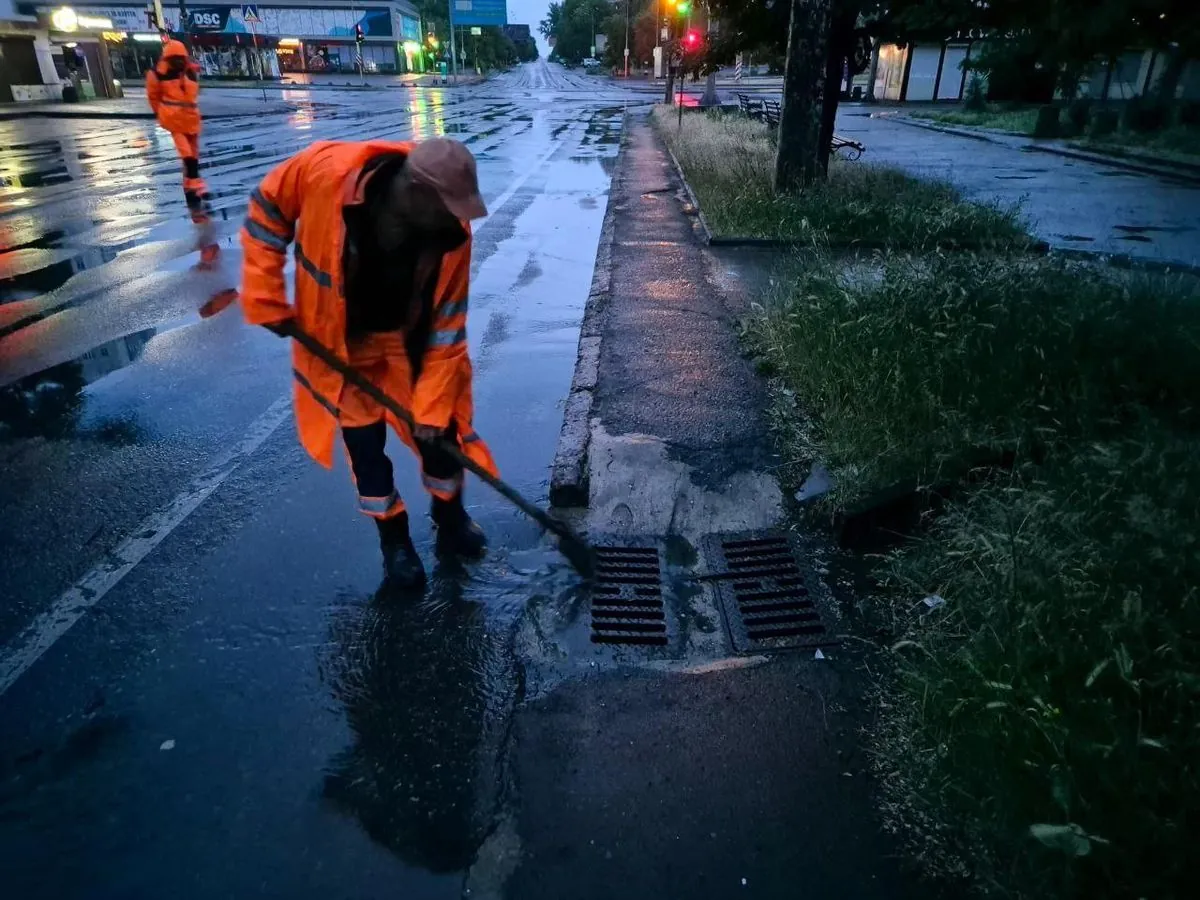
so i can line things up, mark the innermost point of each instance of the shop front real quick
(79, 50)
(291, 39)
(246, 40)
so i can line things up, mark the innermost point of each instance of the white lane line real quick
(41, 634)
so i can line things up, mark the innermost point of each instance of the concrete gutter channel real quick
(685, 768)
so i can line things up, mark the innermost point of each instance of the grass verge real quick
(1041, 722)
(1180, 143)
(1014, 121)
(729, 162)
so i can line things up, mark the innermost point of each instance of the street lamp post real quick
(183, 24)
(628, 13)
(453, 48)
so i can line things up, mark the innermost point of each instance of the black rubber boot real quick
(457, 533)
(401, 563)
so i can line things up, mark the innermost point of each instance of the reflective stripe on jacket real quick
(175, 98)
(301, 202)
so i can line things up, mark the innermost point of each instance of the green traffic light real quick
(683, 8)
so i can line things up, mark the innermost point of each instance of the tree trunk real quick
(873, 71)
(799, 159)
(710, 97)
(843, 17)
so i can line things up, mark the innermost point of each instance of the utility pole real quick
(183, 25)
(628, 14)
(453, 48)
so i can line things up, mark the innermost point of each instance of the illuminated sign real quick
(66, 19)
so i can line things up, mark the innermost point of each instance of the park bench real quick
(849, 149)
(768, 111)
(749, 106)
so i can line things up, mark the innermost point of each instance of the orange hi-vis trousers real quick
(195, 191)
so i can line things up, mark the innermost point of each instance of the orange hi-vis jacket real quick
(174, 97)
(301, 202)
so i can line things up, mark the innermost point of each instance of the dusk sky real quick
(530, 12)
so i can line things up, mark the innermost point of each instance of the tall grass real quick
(730, 160)
(927, 365)
(1043, 720)
(1015, 121)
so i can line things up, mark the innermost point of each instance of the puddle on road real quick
(50, 404)
(428, 686)
(24, 274)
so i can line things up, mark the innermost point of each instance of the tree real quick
(573, 25)
(798, 157)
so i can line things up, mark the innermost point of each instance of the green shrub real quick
(1142, 115)
(1104, 122)
(975, 99)
(1189, 113)
(1047, 122)
(1079, 111)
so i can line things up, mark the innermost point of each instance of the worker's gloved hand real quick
(427, 432)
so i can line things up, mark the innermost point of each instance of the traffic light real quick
(358, 34)
(692, 40)
(683, 7)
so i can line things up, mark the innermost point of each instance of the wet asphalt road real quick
(238, 710)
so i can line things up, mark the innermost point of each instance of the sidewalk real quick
(213, 105)
(686, 770)
(1072, 203)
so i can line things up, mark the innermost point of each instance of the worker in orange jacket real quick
(173, 89)
(382, 243)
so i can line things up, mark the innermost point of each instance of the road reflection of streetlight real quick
(417, 116)
(439, 114)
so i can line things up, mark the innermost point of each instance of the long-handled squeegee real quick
(576, 550)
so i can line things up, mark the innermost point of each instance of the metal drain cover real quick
(766, 594)
(627, 599)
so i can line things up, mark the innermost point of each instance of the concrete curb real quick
(706, 232)
(569, 483)
(988, 137)
(1139, 163)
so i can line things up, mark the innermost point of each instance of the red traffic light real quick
(692, 39)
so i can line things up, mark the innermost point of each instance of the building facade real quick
(97, 45)
(934, 72)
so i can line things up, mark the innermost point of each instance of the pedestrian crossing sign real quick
(250, 15)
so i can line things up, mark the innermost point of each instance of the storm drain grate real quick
(768, 598)
(627, 600)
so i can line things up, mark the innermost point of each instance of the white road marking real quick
(41, 634)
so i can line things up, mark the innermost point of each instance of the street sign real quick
(476, 30)
(250, 15)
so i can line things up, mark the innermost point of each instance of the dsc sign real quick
(212, 18)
